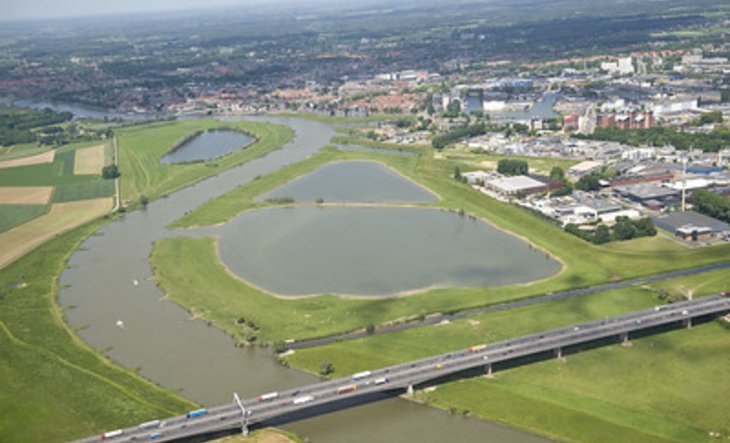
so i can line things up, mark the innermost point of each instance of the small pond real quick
(208, 145)
(353, 181)
(374, 251)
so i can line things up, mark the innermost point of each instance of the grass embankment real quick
(227, 206)
(141, 148)
(663, 388)
(189, 269)
(53, 387)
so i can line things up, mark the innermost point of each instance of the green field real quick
(21, 150)
(92, 188)
(53, 387)
(663, 388)
(14, 215)
(141, 148)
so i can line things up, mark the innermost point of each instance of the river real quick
(108, 292)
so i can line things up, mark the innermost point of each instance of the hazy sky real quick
(40, 9)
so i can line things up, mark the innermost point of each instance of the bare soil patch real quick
(62, 217)
(25, 195)
(89, 161)
(46, 157)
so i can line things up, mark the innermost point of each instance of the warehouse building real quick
(693, 226)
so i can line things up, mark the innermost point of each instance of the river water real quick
(109, 294)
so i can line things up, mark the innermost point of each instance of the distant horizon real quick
(27, 10)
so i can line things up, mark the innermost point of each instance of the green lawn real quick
(53, 387)
(668, 387)
(473, 161)
(14, 215)
(141, 148)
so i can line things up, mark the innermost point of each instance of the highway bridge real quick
(335, 393)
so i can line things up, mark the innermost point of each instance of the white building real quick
(622, 66)
(638, 154)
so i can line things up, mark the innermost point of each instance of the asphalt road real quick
(437, 318)
(401, 376)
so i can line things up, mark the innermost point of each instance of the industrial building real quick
(692, 226)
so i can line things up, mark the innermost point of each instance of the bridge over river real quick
(343, 392)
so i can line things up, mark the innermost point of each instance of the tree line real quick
(16, 125)
(712, 204)
(443, 140)
(716, 140)
(624, 229)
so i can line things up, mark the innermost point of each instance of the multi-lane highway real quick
(272, 405)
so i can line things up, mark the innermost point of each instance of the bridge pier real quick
(489, 370)
(625, 339)
(687, 323)
(409, 391)
(559, 352)
(244, 430)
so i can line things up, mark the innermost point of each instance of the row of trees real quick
(624, 229)
(16, 125)
(712, 142)
(712, 204)
(512, 167)
(443, 140)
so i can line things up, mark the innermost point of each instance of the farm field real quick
(14, 215)
(61, 217)
(89, 161)
(44, 157)
(31, 195)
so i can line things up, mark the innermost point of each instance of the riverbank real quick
(54, 387)
(263, 436)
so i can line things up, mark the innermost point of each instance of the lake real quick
(208, 145)
(374, 251)
(353, 181)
